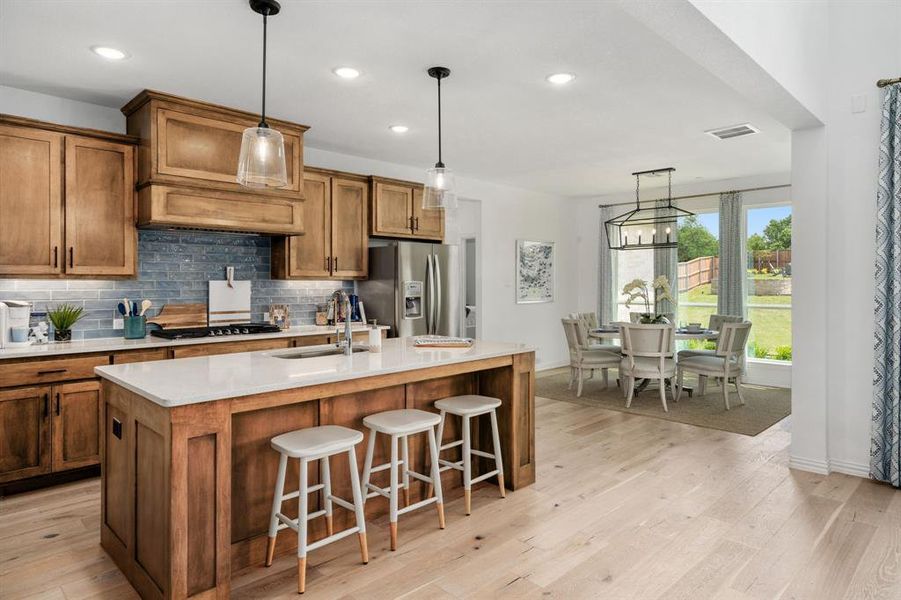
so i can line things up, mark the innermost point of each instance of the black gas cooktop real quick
(218, 330)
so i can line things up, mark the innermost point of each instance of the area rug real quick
(764, 406)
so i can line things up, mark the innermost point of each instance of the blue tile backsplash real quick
(174, 268)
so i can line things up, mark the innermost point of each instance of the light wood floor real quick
(624, 507)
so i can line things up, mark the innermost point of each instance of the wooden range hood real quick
(187, 162)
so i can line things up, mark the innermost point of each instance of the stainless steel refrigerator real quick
(415, 288)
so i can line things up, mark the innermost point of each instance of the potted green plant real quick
(639, 289)
(63, 317)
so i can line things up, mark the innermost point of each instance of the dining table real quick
(682, 333)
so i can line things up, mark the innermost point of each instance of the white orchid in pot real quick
(640, 290)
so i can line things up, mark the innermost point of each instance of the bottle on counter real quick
(375, 338)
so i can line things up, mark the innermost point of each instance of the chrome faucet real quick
(348, 336)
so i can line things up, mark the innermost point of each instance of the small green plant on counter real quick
(759, 351)
(63, 317)
(783, 353)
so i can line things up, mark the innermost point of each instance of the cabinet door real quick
(25, 427)
(427, 223)
(100, 220)
(309, 255)
(76, 425)
(391, 209)
(350, 240)
(30, 201)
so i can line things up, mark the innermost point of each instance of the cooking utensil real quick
(145, 306)
(127, 307)
(121, 308)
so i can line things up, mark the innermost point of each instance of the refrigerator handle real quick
(430, 284)
(438, 307)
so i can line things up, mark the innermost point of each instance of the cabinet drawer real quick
(46, 371)
(133, 356)
(314, 340)
(230, 347)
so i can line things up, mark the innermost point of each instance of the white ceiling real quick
(637, 103)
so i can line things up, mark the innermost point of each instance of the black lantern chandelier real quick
(649, 227)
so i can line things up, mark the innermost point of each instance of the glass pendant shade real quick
(262, 159)
(440, 189)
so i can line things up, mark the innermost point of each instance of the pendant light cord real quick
(263, 113)
(440, 164)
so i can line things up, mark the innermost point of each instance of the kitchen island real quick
(188, 472)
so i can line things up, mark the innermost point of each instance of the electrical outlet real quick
(118, 323)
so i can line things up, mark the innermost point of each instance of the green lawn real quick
(772, 324)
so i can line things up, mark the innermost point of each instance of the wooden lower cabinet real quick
(49, 429)
(25, 423)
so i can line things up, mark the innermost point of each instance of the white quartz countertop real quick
(204, 378)
(119, 344)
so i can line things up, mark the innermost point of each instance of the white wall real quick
(835, 170)
(507, 214)
(788, 39)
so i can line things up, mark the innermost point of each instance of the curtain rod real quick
(886, 82)
(754, 189)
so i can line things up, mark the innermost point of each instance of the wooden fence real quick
(770, 259)
(697, 272)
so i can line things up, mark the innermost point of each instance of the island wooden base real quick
(186, 491)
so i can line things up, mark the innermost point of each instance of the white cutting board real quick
(229, 304)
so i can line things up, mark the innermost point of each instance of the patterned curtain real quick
(606, 273)
(732, 275)
(885, 450)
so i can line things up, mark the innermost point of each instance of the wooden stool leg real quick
(467, 466)
(405, 457)
(326, 476)
(302, 512)
(428, 490)
(276, 507)
(367, 464)
(498, 460)
(436, 477)
(358, 505)
(392, 500)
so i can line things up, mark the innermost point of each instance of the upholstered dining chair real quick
(648, 351)
(727, 363)
(714, 324)
(582, 358)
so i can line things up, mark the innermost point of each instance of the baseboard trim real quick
(823, 467)
(809, 464)
(551, 365)
(850, 468)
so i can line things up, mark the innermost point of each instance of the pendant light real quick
(654, 226)
(262, 159)
(440, 188)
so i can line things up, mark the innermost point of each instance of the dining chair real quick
(648, 351)
(581, 357)
(728, 361)
(714, 324)
(590, 318)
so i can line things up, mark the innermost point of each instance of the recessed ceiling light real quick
(560, 78)
(399, 128)
(109, 53)
(346, 72)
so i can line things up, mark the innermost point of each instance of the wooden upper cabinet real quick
(392, 209)
(335, 243)
(397, 212)
(427, 223)
(100, 219)
(350, 232)
(309, 255)
(30, 201)
(76, 425)
(25, 423)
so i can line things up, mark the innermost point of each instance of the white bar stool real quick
(467, 407)
(399, 424)
(315, 443)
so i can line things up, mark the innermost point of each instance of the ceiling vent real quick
(733, 131)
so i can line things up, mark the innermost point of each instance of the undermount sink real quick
(314, 352)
